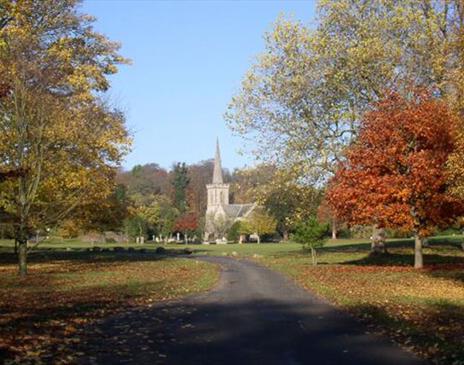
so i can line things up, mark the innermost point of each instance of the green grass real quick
(246, 249)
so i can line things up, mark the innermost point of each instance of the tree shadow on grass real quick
(435, 332)
(440, 252)
(399, 259)
(52, 320)
(102, 255)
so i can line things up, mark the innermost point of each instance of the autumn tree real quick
(187, 223)
(148, 179)
(246, 181)
(395, 173)
(260, 223)
(199, 175)
(103, 215)
(301, 103)
(56, 129)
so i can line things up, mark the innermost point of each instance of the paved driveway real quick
(254, 316)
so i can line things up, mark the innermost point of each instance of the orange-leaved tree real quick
(187, 223)
(394, 174)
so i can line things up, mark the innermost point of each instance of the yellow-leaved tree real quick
(260, 222)
(60, 141)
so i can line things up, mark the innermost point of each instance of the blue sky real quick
(188, 60)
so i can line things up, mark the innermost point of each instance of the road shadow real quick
(239, 332)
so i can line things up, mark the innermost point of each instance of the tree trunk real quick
(313, 256)
(22, 258)
(418, 257)
(285, 235)
(334, 230)
(21, 239)
(259, 239)
(378, 240)
(16, 246)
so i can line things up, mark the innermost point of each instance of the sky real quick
(188, 60)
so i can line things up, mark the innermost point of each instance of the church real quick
(220, 214)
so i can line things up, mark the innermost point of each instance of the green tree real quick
(180, 181)
(311, 234)
(286, 199)
(234, 232)
(135, 226)
(167, 216)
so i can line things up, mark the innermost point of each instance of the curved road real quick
(254, 316)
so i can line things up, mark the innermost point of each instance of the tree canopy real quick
(301, 103)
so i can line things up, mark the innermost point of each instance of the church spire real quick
(217, 174)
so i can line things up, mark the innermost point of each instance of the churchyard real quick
(72, 284)
(350, 120)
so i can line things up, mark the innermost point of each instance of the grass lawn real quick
(43, 315)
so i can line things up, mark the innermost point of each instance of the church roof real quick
(238, 210)
(217, 174)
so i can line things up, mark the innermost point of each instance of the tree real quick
(326, 215)
(152, 214)
(199, 175)
(259, 222)
(246, 182)
(168, 216)
(56, 129)
(395, 173)
(103, 215)
(187, 223)
(311, 234)
(148, 179)
(235, 232)
(136, 227)
(301, 104)
(220, 224)
(180, 182)
(286, 199)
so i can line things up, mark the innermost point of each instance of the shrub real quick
(234, 232)
(311, 234)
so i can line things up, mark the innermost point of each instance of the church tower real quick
(220, 214)
(218, 192)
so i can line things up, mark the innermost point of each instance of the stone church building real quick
(220, 214)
